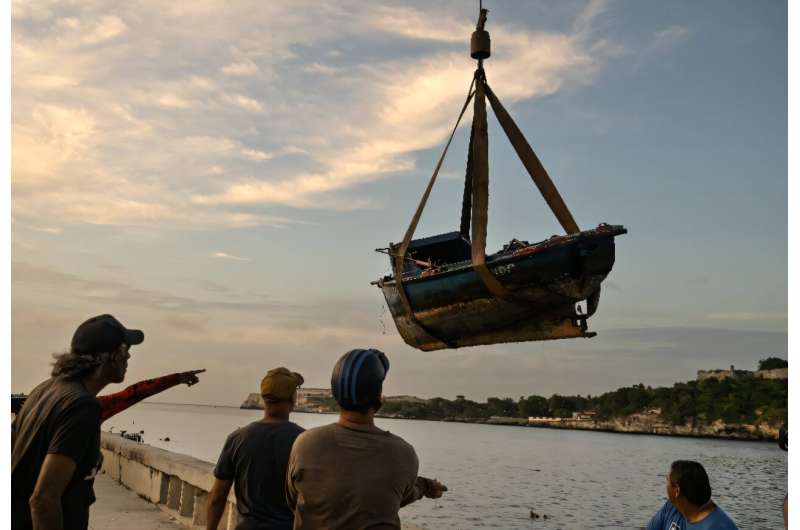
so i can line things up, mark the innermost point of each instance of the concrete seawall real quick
(178, 484)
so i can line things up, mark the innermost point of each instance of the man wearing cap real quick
(55, 438)
(351, 474)
(254, 460)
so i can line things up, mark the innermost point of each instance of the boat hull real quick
(452, 307)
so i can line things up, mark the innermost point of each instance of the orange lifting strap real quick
(477, 189)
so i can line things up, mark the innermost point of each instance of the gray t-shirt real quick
(344, 479)
(255, 458)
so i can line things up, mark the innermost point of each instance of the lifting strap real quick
(533, 165)
(400, 256)
(466, 202)
(480, 193)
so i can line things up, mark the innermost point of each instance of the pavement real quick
(118, 508)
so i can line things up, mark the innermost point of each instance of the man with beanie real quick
(55, 437)
(689, 505)
(351, 474)
(254, 460)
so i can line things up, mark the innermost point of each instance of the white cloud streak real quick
(224, 255)
(173, 117)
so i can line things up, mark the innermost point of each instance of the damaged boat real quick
(445, 292)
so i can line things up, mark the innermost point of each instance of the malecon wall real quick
(176, 483)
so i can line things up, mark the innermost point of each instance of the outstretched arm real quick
(424, 487)
(115, 403)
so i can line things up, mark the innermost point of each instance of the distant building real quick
(311, 396)
(407, 399)
(542, 419)
(733, 373)
(584, 415)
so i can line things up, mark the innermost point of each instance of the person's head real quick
(357, 380)
(279, 392)
(687, 481)
(99, 349)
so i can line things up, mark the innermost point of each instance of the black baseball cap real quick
(103, 333)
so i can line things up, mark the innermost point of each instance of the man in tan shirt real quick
(351, 474)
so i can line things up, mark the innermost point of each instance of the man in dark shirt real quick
(55, 438)
(254, 459)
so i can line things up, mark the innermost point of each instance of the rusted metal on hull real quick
(481, 322)
(546, 281)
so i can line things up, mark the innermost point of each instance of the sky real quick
(219, 175)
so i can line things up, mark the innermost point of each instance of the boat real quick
(446, 292)
(546, 280)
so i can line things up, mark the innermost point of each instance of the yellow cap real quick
(280, 383)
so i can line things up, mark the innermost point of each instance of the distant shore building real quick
(733, 373)
(405, 399)
(312, 396)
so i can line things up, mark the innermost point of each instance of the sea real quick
(498, 475)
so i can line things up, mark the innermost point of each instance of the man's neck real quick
(693, 513)
(360, 421)
(275, 419)
(94, 384)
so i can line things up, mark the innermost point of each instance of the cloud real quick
(669, 37)
(242, 68)
(223, 255)
(412, 108)
(244, 102)
(184, 118)
(107, 28)
(50, 229)
(43, 280)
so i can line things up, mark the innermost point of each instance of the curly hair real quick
(74, 366)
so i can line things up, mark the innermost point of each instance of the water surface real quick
(497, 474)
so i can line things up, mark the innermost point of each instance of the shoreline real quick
(735, 432)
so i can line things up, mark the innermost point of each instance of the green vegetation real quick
(732, 400)
(770, 363)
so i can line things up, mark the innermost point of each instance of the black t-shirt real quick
(59, 417)
(255, 458)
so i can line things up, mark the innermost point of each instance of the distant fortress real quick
(318, 400)
(732, 373)
(307, 399)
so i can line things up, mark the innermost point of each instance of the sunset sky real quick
(218, 174)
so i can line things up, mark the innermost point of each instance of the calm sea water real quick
(496, 475)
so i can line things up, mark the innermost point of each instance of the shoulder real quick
(403, 448)
(75, 401)
(294, 428)
(722, 520)
(664, 517)
(317, 433)
(238, 434)
(315, 436)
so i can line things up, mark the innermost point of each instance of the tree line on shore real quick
(732, 400)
